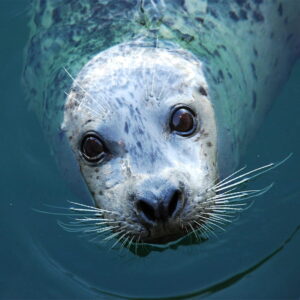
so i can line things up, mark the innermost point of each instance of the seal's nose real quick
(154, 211)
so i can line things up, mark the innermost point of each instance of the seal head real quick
(143, 131)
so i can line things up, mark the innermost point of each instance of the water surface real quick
(257, 256)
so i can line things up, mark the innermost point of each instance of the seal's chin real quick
(164, 233)
(164, 239)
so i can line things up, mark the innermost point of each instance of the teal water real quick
(257, 257)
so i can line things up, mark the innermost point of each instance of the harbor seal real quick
(149, 105)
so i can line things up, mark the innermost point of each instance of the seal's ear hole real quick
(91, 147)
(202, 91)
(183, 121)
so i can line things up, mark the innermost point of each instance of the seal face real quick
(142, 128)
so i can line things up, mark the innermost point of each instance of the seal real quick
(149, 105)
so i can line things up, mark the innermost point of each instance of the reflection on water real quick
(257, 256)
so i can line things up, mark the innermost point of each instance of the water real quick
(258, 256)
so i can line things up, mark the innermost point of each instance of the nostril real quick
(146, 209)
(173, 204)
(153, 210)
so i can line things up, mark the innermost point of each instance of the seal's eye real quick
(183, 121)
(92, 148)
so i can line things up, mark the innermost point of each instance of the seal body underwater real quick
(149, 105)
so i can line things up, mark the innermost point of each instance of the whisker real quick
(231, 205)
(137, 243)
(90, 234)
(204, 233)
(112, 236)
(144, 72)
(85, 228)
(193, 230)
(152, 81)
(66, 214)
(163, 3)
(229, 191)
(200, 229)
(245, 177)
(123, 245)
(154, 5)
(74, 228)
(86, 220)
(97, 237)
(218, 186)
(242, 196)
(130, 242)
(250, 205)
(217, 216)
(111, 223)
(91, 208)
(208, 230)
(119, 239)
(86, 225)
(225, 208)
(89, 221)
(185, 228)
(215, 223)
(85, 91)
(210, 218)
(97, 114)
(163, 88)
(92, 212)
(227, 201)
(228, 177)
(99, 230)
(77, 212)
(240, 193)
